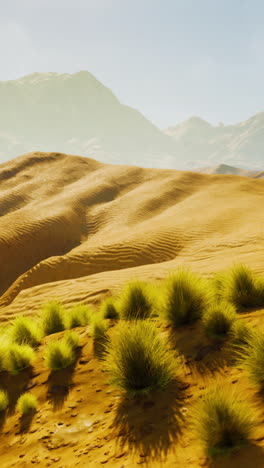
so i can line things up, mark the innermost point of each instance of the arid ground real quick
(77, 230)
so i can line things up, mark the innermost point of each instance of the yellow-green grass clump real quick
(4, 401)
(99, 329)
(109, 309)
(252, 359)
(242, 334)
(18, 357)
(223, 421)
(78, 316)
(3, 354)
(27, 403)
(218, 321)
(136, 301)
(52, 318)
(138, 360)
(240, 286)
(24, 330)
(59, 354)
(186, 296)
(72, 339)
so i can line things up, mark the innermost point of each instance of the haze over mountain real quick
(75, 113)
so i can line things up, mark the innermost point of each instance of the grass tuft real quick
(138, 360)
(18, 357)
(136, 301)
(25, 331)
(218, 321)
(186, 296)
(108, 309)
(240, 286)
(223, 420)
(241, 334)
(252, 359)
(59, 355)
(3, 400)
(27, 403)
(78, 316)
(72, 339)
(52, 317)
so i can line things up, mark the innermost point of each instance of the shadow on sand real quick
(60, 383)
(251, 456)
(150, 425)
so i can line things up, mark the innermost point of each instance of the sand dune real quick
(74, 228)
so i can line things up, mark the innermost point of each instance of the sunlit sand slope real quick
(74, 228)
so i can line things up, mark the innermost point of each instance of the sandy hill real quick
(74, 228)
(201, 144)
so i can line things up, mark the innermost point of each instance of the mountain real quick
(201, 143)
(225, 169)
(75, 113)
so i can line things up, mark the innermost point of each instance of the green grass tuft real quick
(18, 357)
(72, 339)
(136, 301)
(218, 321)
(186, 296)
(3, 400)
(27, 403)
(59, 355)
(240, 286)
(108, 309)
(138, 360)
(252, 359)
(78, 316)
(52, 317)
(241, 334)
(25, 331)
(223, 421)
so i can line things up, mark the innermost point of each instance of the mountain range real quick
(76, 114)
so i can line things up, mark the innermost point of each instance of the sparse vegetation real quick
(3, 401)
(241, 334)
(52, 316)
(59, 355)
(185, 297)
(18, 357)
(100, 337)
(136, 301)
(78, 316)
(25, 331)
(108, 309)
(72, 339)
(240, 286)
(138, 360)
(218, 321)
(27, 403)
(252, 359)
(223, 421)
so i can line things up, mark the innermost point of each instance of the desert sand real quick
(76, 230)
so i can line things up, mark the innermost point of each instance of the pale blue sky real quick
(170, 59)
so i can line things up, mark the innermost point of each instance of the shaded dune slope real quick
(74, 228)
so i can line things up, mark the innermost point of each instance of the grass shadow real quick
(2, 419)
(26, 421)
(100, 347)
(16, 385)
(247, 457)
(201, 356)
(150, 425)
(60, 383)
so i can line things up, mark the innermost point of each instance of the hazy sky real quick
(170, 59)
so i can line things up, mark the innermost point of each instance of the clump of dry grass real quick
(27, 403)
(52, 318)
(78, 316)
(218, 321)
(223, 421)
(109, 309)
(138, 360)
(136, 301)
(24, 330)
(4, 401)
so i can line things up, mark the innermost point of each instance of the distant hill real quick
(240, 145)
(75, 113)
(225, 169)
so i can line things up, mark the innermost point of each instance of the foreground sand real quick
(75, 229)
